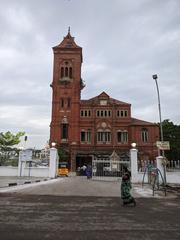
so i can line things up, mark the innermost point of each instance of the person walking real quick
(84, 169)
(89, 171)
(126, 187)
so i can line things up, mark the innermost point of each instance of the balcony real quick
(65, 80)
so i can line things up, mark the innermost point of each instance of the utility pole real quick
(155, 77)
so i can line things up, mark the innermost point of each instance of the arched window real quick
(144, 135)
(85, 136)
(64, 128)
(104, 136)
(62, 102)
(64, 131)
(70, 72)
(107, 136)
(122, 136)
(69, 102)
(66, 72)
(103, 113)
(62, 72)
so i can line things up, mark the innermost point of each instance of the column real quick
(134, 165)
(160, 162)
(53, 162)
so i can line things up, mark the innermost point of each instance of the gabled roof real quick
(103, 96)
(68, 42)
(135, 121)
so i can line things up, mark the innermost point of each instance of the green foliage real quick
(9, 139)
(9, 156)
(8, 153)
(171, 133)
(82, 83)
(62, 154)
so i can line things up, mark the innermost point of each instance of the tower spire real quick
(68, 30)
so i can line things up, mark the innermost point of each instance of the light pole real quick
(159, 106)
(155, 77)
(25, 140)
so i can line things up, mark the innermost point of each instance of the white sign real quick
(163, 145)
(25, 155)
(114, 166)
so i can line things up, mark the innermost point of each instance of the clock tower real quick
(66, 93)
(94, 128)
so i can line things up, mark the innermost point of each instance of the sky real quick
(124, 43)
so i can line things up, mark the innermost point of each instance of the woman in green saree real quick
(126, 190)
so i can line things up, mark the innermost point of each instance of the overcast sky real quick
(124, 43)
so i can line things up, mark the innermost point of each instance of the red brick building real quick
(93, 127)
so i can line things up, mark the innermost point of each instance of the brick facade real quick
(94, 127)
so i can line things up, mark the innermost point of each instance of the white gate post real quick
(159, 162)
(21, 164)
(134, 165)
(53, 163)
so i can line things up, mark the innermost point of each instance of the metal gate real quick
(108, 169)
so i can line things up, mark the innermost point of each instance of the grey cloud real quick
(124, 43)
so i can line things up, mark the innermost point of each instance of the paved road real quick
(80, 186)
(77, 208)
(65, 217)
(72, 186)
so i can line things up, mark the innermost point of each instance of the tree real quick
(9, 154)
(9, 139)
(171, 133)
(62, 154)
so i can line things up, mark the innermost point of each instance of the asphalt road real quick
(34, 217)
(80, 186)
(77, 208)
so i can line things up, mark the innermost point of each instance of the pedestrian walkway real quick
(12, 181)
(79, 186)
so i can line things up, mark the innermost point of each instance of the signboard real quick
(163, 145)
(114, 166)
(25, 155)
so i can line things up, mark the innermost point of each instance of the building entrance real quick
(83, 160)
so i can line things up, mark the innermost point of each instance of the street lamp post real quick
(159, 106)
(161, 129)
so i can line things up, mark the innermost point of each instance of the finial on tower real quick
(68, 30)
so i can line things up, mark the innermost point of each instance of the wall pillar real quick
(161, 167)
(53, 163)
(134, 165)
